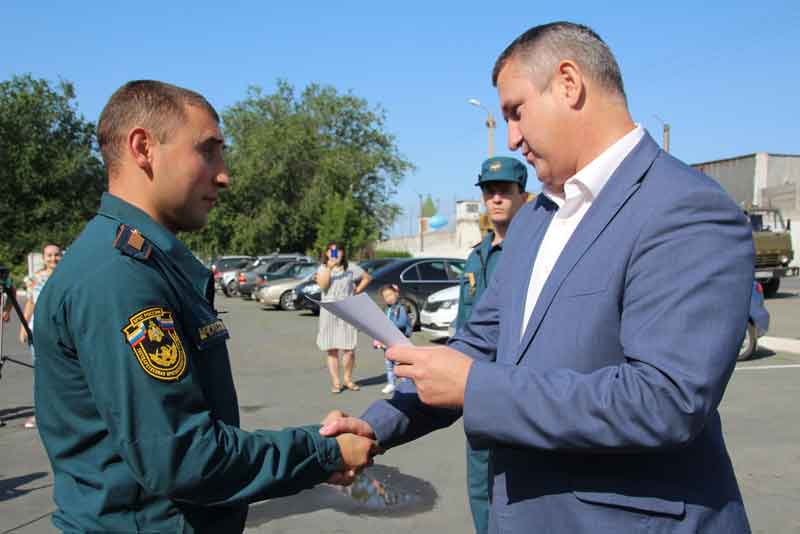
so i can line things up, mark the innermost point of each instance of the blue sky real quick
(723, 74)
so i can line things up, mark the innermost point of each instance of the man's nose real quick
(514, 136)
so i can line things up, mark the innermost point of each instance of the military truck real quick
(773, 245)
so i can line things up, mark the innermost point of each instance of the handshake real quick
(356, 442)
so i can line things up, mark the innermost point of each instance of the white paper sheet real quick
(362, 312)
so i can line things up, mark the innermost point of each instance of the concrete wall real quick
(783, 169)
(447, 243)
(441, 243)
(736, 176)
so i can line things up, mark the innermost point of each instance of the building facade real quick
(765, 180)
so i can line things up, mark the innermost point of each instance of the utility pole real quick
(421, 239)
(665, 132)
(491, 124)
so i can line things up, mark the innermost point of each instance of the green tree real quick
(50, 177)
(428, 207)
(342, 222)
(294, 158)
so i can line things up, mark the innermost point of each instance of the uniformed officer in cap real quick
(134, 393)
(502, 181)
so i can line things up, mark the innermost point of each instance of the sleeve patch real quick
(152, 336)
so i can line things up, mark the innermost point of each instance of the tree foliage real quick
(305, 169)
(50, 177)
(428, 207)
(341, 222)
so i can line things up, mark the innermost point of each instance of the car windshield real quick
(455, 269)
(227, 264)
(767, 221)
(279, 267)
(296, 270)
(306, 270)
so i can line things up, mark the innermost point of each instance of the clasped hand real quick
(357, 449)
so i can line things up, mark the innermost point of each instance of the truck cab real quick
(773, 246)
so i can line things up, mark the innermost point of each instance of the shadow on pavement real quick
(783, 295)
(372, 380)
(8, 486)
(379, 491)
(761, 353)
(19, 412)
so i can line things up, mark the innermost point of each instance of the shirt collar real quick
(486, 243)
(587, 183)
(117, 209)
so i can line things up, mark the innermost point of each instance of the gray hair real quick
(542, 47)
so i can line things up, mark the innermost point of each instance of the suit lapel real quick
(542, 215)
(619, 188)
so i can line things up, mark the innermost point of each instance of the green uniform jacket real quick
(480, 265)
(135, 401)
(477, 274)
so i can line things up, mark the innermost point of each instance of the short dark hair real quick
(556, 41)
(156, 106)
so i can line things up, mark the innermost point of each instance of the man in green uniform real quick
(134, 393)
(502, 181)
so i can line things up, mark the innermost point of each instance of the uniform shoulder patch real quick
(152, 336)
(131, 243)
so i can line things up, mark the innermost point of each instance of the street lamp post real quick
(490, 123)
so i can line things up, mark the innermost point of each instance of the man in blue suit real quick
(593, 366)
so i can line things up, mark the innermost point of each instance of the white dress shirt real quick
(579, 193)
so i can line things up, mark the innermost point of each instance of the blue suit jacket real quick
(602, 416)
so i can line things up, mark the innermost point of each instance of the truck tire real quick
(749, 343)
(771, 287)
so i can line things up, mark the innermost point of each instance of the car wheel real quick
(771, 287)
(748, 343)
(233, 289)
(286, 301)
(411, 310)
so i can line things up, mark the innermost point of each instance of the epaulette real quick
(476, 245)
(131, 243)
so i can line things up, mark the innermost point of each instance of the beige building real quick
(455, 243)
(764, 179)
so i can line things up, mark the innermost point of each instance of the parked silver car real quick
(279, 293)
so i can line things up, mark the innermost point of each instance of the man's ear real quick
(140, 147)
(569, 83)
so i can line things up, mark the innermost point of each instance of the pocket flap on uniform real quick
(655, 505)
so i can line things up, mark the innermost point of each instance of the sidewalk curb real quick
(780, 344)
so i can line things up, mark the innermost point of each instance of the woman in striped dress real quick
(338, 280)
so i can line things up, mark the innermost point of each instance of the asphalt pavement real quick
(281, 380)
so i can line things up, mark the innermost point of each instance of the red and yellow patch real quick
(152, 336)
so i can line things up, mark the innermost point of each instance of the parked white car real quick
(439, 312)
